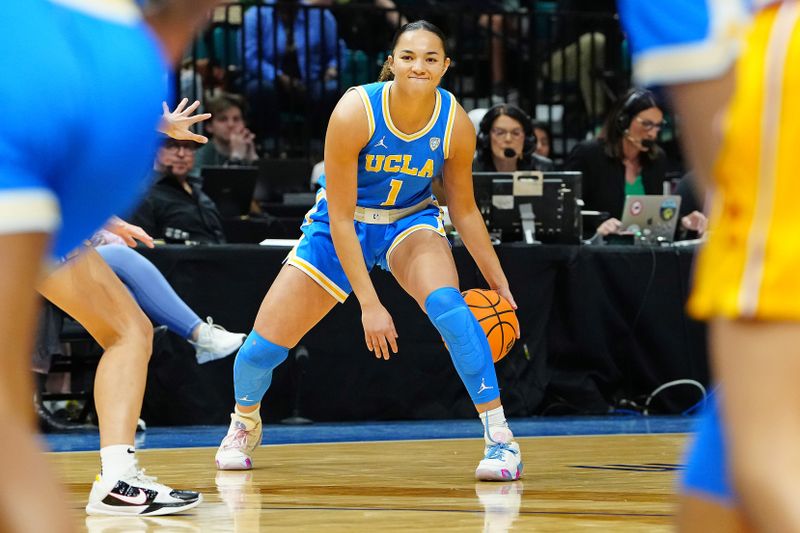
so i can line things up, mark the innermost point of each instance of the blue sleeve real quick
(259, 65)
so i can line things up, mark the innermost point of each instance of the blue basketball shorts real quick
(77, 138)
(707, 474)
(315, 255)
(679, 41)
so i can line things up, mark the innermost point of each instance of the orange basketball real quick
(496, 317)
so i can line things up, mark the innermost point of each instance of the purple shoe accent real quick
(248, 463)
(506, 474)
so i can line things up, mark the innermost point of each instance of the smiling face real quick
(418, 61)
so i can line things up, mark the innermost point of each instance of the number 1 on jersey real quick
(393, 192)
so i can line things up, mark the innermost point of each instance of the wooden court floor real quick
(603, 483)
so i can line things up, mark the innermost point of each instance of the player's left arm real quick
(461, 205)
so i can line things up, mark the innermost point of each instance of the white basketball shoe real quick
(215, 342)
(236, 450)
(502, 460)
(135, 494)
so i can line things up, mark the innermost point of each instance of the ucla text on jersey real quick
(395, 168)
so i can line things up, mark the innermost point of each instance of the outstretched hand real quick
(379, 332)
(129, 233)
(176, 123)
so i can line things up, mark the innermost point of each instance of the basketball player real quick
(92, 73)
(385, 142)
(744, 465)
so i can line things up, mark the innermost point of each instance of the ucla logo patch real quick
(435, 142)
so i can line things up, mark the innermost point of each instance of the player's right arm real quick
(348, 133)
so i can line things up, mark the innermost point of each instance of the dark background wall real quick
(599, 325)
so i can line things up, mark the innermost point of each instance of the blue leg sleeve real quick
(150, 289)
(468, 346)
(252, 370)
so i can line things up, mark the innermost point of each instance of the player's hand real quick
(129, 233)
(695, 221)
(379, 332)
(612, 225)
(506, 293)
(176, 123)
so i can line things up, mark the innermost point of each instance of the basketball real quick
(496, 317)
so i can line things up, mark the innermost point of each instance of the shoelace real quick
(236, 440)
(496, 451)
(210, 322)
(139, 476)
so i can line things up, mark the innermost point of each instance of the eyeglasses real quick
(649, 124)
(516, 133)
(174, 146)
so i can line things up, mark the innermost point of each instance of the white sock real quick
(251, 419)
(116, 460)
(493, 421)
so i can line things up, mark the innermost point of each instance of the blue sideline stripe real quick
(199, 436)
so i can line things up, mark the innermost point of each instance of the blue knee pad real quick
(252, 370)
(467, 342)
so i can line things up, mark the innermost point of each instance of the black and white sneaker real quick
(138, 495)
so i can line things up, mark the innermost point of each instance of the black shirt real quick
(603, 181)
(169, 212)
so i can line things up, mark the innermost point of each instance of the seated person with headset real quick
(506, 142)
(624, 160)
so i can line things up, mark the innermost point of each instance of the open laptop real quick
(651, 218)
(231, 188)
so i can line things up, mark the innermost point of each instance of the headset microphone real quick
(509, 153)
(642, 144)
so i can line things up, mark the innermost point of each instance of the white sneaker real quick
(236, 450)
(138, 495)
(502, 460)
(215, 342)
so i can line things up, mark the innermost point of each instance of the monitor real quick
(281, 177)
(231, 188)
(554, 198)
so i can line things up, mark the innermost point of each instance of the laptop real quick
(231, 188)
(651, 218)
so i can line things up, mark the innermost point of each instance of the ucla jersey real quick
(395, 169)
